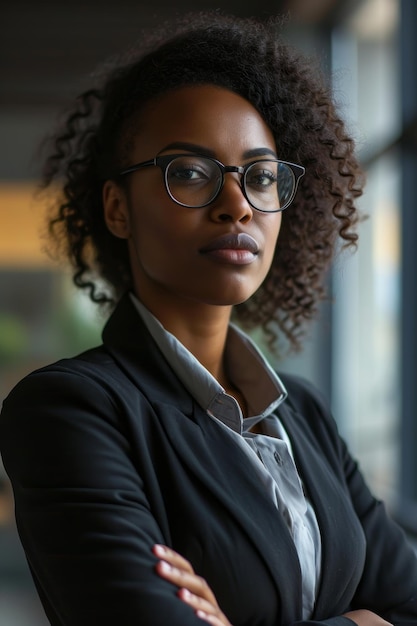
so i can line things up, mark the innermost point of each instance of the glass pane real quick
(366, 333)
(366, 313)
(365, 70)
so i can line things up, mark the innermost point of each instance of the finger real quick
(213, 619)
(197, 602)
(204, 609)
(173, 558)
(195, 584)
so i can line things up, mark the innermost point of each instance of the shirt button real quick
(278, 458)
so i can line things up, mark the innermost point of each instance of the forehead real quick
(206, 115)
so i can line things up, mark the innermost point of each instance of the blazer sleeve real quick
(389, 580)
(82, 512)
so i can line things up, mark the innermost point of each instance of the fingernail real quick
(160, 549)
(165, 566)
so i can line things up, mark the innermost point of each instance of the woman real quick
(169, 476)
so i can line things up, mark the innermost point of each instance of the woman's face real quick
(174, 251)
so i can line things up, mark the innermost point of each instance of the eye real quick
(183, 173)
(261, 176)
(189, 170)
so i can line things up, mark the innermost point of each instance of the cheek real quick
(160, 236)
(149, 216)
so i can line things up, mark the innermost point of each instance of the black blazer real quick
(109, 454)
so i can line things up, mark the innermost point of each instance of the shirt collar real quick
(247, 367)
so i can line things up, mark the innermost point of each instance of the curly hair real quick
(247, 57)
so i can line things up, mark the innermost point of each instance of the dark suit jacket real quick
(108, 454)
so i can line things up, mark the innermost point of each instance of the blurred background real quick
(362, 352)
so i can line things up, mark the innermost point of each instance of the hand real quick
(364, 617)
(194, 590)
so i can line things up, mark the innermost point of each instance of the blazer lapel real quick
(341, 565)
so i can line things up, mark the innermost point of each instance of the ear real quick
(116, 214)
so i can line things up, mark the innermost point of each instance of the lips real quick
(233, 241)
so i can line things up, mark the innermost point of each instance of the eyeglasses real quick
(195, 181)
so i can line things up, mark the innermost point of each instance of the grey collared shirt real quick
(271, 455)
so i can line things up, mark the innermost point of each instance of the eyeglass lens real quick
(194, 181)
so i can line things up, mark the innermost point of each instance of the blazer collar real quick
(125, 336)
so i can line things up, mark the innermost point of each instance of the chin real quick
(230, 299)
(230, 295)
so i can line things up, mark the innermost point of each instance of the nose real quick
(231, 205)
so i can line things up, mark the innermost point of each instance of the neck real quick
(201, 328)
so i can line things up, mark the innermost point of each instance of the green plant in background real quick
(14, 339)
(75, 330)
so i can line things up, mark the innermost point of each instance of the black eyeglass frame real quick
(163, 162)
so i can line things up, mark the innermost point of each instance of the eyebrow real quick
(194, 147)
